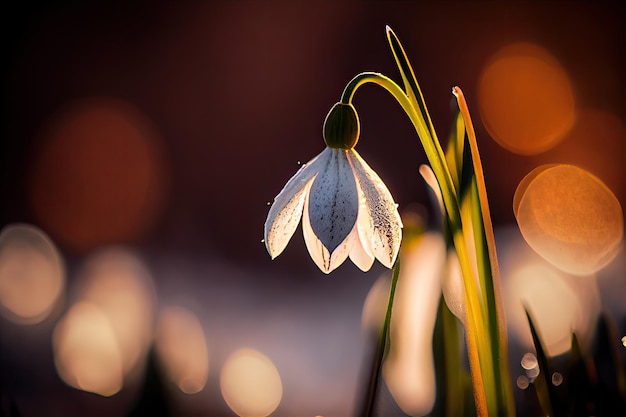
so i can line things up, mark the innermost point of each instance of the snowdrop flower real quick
(346, 209)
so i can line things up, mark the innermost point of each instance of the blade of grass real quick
(609, 368)
(477, 339)
(455, 150)
(488, 268)
(451, 384)
(579, 387)
(544, 389)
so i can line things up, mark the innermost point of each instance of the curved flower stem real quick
(431, 145)
(436, 158)
(486, 334)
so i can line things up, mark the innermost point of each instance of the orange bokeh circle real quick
(99, 175)
(525, 99)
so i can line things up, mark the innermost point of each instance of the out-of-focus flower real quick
(409, 369)
(346, 209)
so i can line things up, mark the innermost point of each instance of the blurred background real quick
(142, 142)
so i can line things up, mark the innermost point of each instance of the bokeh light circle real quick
(86, 352)
(597, 141)
(525, 99)
(118, 282)
(559, 303)
(555, 307)
(250, 383)
(103, 340)
(181, 346)
(99, 175)
(569, 217)
(32, 274)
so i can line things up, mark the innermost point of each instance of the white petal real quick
(361, 257)
(323, 258)
(341, 253)
(386, 233)
(317, 251)
(333, 201)
(286, 211)
(361, 253)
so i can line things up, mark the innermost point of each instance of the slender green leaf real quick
(487, 264)
(611, 393)
(579, 387)
(478, 340)
(453, 380)
(543, 388)
(455, 150)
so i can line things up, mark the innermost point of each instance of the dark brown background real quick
(237, 92)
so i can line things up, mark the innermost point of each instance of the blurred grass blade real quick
(609, 369)
(455, 151)
(545, 392)
(453, 381)
(579, 387)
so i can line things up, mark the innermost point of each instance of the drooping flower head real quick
(346, 209)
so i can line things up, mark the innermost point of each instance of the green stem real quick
(475, 323)
(381, 346)
(433, 150)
